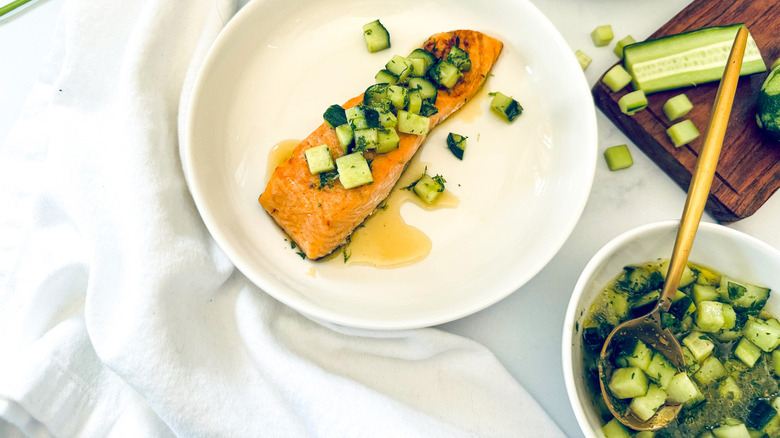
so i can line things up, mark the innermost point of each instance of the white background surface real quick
(524, 330)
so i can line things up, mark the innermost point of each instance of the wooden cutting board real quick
(749, 168)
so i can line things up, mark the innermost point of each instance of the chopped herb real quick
(735, 291)
(303, 256)
(327, 178)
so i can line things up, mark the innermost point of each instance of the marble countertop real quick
(523, 330)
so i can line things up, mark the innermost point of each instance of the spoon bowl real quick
(647, 329)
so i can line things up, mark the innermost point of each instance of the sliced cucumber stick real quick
(687, 59)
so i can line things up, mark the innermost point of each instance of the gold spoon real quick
(648, 328)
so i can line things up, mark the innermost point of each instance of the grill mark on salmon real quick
(320, 219)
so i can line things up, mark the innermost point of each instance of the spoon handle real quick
(701, 181)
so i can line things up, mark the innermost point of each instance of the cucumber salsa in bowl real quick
(731, 381)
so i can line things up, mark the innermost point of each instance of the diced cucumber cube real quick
(375, 97)
(356, 117)
(707, 277)
(728, 388)
(384, 76)
(633, 102)
(688, 276)
(456, 143)
(319, 159)
(400, 67)
(682, 133)
(628, 382)
(418, 67)
(776, 361)
(661, 370)
(425, 88)
(743, 295)
(583, 59)
(772, 321)
(691, 364)
(619, 303)
(427, 57)
(710, 371)
(731, 431)
(702, 292)
(387, 141)
(677, 107)
(747, 352)
(615, 429)
(505, 106)
(709, 316)
(365, 139)
(429, 188)
(387, 119)
(645, 407)
(335, 116)
(735, 367)
(459, 58)
(446, 74)
(681, 389)
(397, 96)
(729, 316)
(410, 123)
(618, 157)
(626, 41)
(616, 78)
(682, 305)
(772, 428)
(760, 415)
(639, 358)
(415, 102)
(764, 335)
(376, 36)
(353, 170)
(602, 35)
(699, 344)
(345, 135)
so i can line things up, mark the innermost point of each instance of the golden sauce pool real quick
(385, 240)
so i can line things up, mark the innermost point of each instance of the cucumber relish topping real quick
(402, 101)
(731, 380)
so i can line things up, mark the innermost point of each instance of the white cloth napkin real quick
(119, 316)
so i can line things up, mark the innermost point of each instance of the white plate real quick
(522, 187)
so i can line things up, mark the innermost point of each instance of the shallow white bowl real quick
(522, 186)
(723, 249)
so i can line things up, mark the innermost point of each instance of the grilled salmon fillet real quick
(318, 218)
